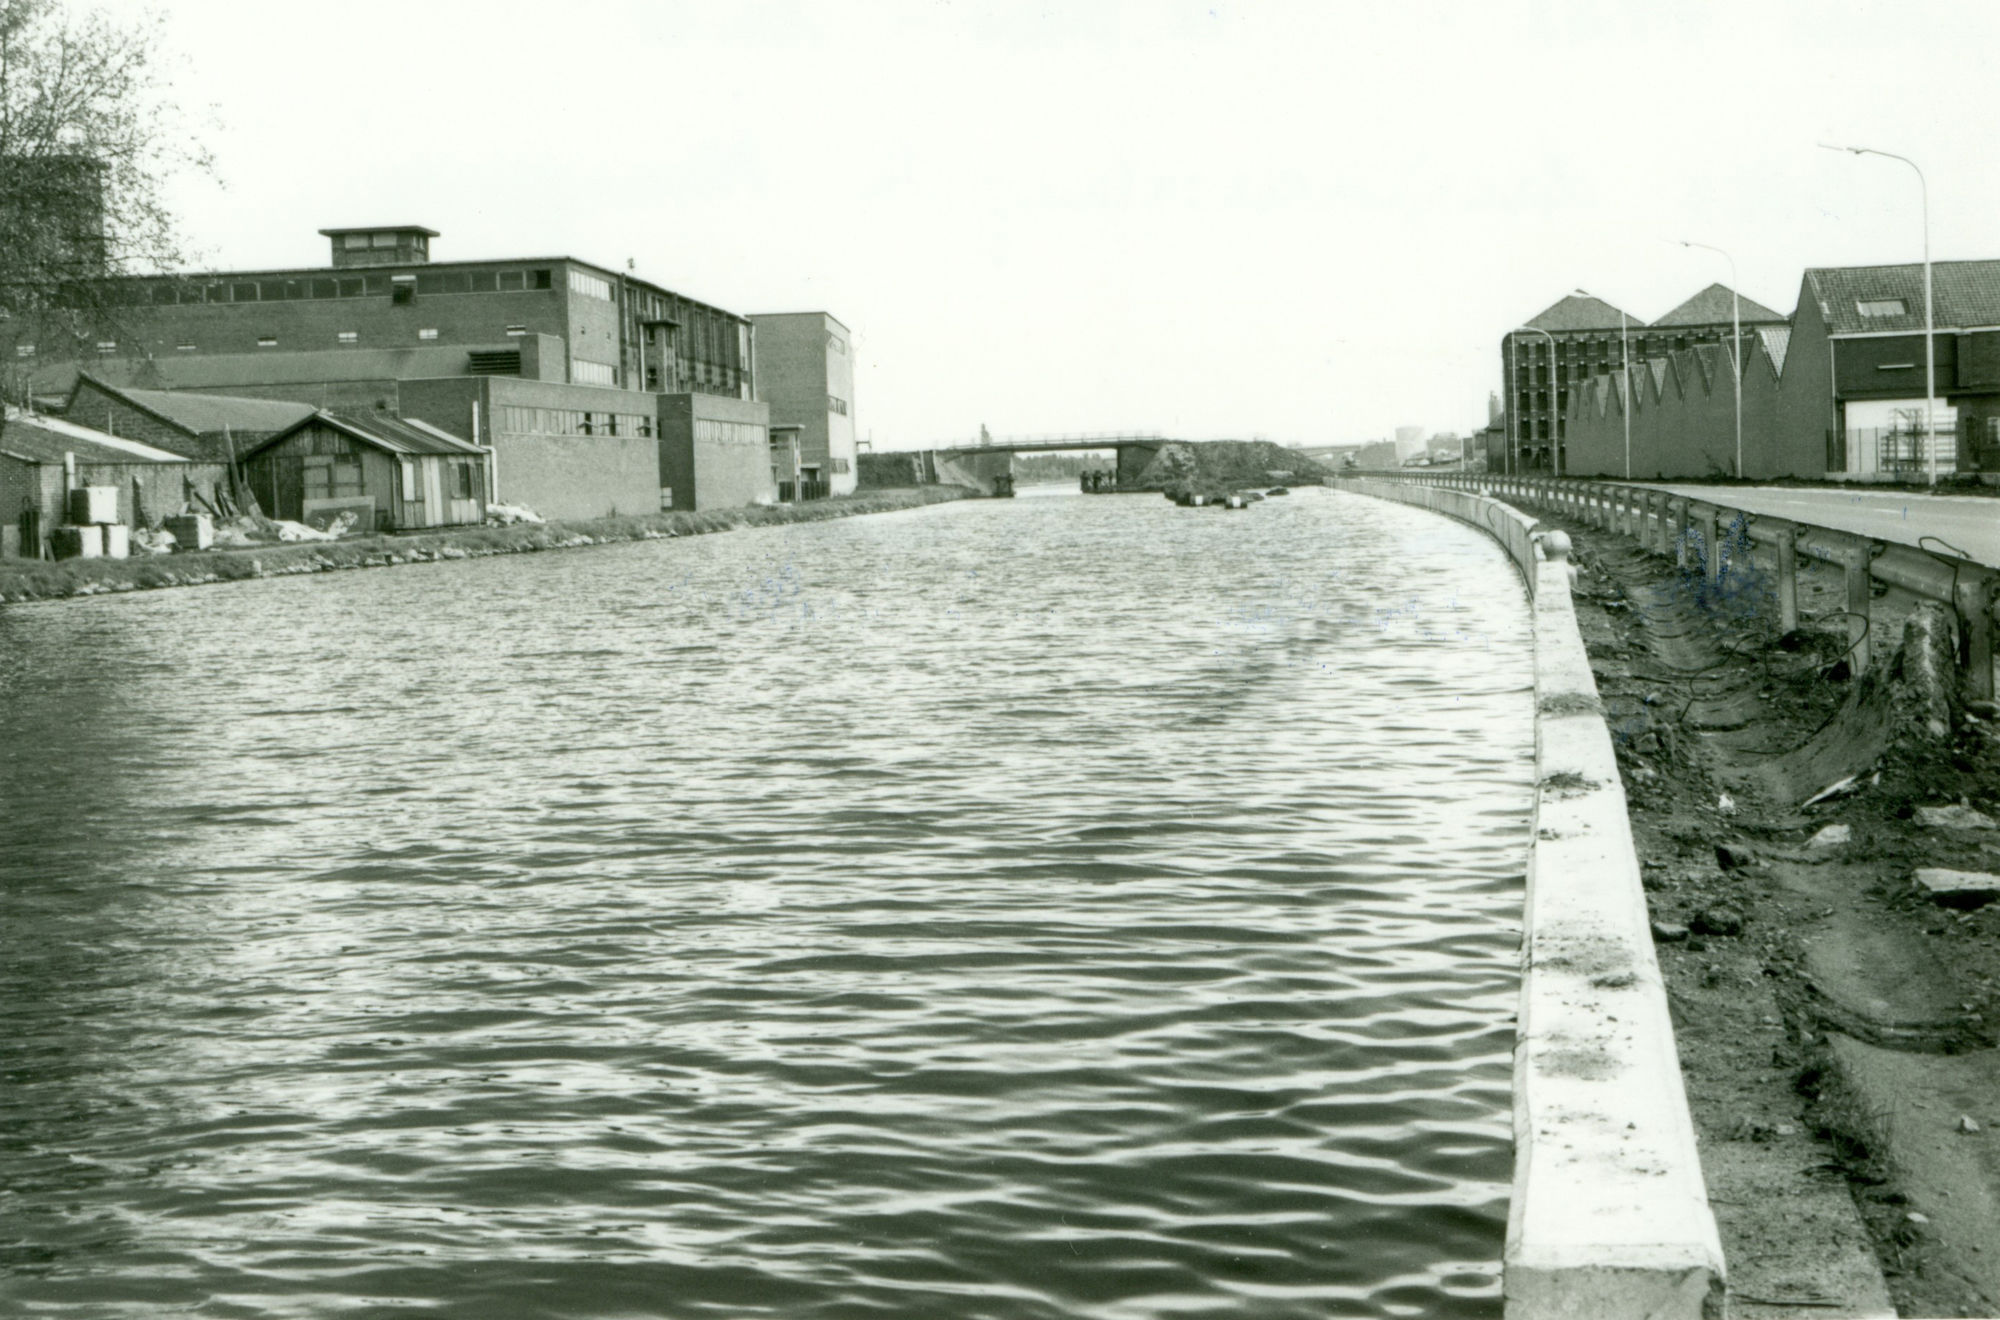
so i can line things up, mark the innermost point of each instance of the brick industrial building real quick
(805, 371)
(578, 378)
(1583, 336)
(1838, 391)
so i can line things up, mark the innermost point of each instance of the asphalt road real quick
(1970, 523)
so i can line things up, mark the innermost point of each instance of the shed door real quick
(414, 508)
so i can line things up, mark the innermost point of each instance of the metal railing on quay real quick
(1704, 534)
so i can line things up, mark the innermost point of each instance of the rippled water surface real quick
(1045, 908)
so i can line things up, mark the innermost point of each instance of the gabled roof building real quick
(1838, 391)
(1591, 337)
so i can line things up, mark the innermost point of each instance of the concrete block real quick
(192, 531)
(1962, 889)
(117, 540)
(93, 504)
(77, 543)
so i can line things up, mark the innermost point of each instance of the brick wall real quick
(586, 476)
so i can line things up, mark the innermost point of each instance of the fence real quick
(1691, 529)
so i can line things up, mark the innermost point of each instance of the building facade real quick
(382, 311)
(1582, 336)
(805, 371)
(715, 453)
(1837, 392)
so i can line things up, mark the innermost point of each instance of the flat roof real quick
(381, 229)
(418, 267)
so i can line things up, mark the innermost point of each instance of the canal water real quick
(1041, 908)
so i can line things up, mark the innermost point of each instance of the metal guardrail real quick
(1690, 529)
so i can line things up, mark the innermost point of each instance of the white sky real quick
(1306, 221)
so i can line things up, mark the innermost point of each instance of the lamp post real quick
(1930, 357)
(1531, 330)
(1735, 344)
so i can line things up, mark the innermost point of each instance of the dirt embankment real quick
(1836, 1024)
(28, 579)
(1221, 466)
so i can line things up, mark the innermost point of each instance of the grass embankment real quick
(28, 579)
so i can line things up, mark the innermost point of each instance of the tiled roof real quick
(1776, 339)
(1963, 294)
(209, 414)
(1712, 307)
(47, 439)
(1580, 311)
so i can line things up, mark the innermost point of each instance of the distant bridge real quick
(1042, 444)
(979, 462)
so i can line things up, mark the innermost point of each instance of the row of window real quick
(373, 284)
(518, 420)
(584, 372)
(836, 404)
(709, 431)
(588, 285)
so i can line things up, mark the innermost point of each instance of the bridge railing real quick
(1063, 438)
(1709, 534)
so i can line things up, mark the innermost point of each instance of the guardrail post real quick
(1787, 546)
(1663, 530)
(1708, 546)
(1860, 591)
(1975, 607)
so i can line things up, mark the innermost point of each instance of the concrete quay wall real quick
(1609, 1215)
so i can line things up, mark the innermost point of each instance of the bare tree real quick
(89, 136)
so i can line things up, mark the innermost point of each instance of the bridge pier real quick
(1133, 460)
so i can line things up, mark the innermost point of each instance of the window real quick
(482, 281)
(382, 240)
(516, 331)
(834, 403)
(513, 281)
(1881, 307)
(542, 279)
(352, 287)
(354, 242)
(402, 288)
(591, 373)
(428, 332)
(107, 346)
(840, 464)
(462, 480)
(267, 341)
(331, 476)
(184, 348)
(1895, 366)
(589, 286)
(349, 336)
(325, 289)
(24, 350)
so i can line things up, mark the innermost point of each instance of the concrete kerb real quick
(1609, 1215)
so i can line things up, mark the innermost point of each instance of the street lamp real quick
(1515, 412)
(1930, 358)
(1624, 365)
(1735, 344)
